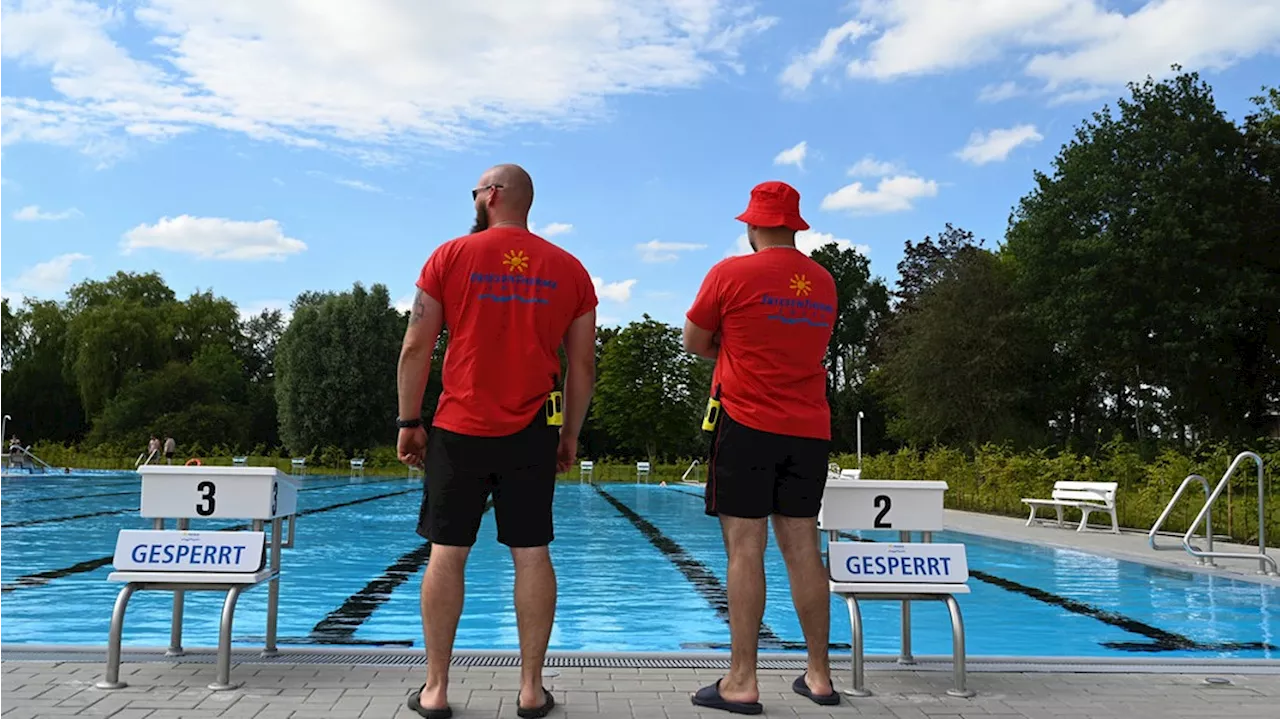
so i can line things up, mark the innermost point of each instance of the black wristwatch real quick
(408, 423)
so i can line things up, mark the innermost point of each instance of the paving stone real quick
(159, 691)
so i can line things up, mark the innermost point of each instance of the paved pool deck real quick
(1129, 544)
(283, 691)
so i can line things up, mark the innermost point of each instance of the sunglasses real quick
(476, 192)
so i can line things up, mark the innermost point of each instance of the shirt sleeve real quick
(706, 309)
(431, 279)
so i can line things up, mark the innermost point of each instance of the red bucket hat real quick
(774, 204)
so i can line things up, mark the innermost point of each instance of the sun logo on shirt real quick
(801, 285)
(517, 260)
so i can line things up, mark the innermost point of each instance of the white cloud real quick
(999, 93)
(1064, 43)
(405, 303)
(806, 241)
(793, 155)
(892, 194)
(995, 146)
(551, 230)
(372, 79)
(345, 182)
(799, 74)
(358, 185)
(33, 213)
(871, 167)
(48, 278)
(613, 291)
(214, 238)
(659, 251)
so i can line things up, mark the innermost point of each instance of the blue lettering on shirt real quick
(798, 310)
(511, 284)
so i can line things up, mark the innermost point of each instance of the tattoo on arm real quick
(419, 308)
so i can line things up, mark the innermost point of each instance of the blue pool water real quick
(641, 568)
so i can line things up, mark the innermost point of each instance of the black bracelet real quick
(408, 423)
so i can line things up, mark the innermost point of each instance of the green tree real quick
(335, 370)
(44, 403)
(862, 305)
(119, 326)
(1142, 256)
(961, 368)
(646, 396)
(10, 334)
(203, 402)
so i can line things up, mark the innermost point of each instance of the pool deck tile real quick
(161, 691)
(1130, 544)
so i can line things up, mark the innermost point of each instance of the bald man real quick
(510, 300)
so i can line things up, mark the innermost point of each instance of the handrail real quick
(140, 461)
(27, 451)
(685, 476)
(1263, 559)
(1208, 519)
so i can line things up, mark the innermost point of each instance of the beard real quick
(482, 219)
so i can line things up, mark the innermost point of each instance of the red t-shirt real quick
(775, 311)
(509, 297)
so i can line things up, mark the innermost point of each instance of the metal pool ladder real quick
(1266, 564)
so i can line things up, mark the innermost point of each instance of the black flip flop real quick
(709, 697)
(425, 713)
(827, 700)
(548, 704)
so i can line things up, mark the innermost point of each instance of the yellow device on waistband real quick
(712, 416)
(555, 409)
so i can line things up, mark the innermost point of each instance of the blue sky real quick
(261, 149)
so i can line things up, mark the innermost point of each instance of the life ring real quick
(193, 460)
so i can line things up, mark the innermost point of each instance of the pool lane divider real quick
(339, 625)
(39, 579)
(1161, 640)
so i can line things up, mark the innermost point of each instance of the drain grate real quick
(392, 657)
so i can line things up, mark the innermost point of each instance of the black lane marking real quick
(699, 575)
(311, 640)
(1161, 640)
(66, 498)
(341, 624)
(68, 518)
(41, 578)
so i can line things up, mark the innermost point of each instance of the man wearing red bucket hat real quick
(766, 319)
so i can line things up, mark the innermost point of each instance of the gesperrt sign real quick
(926, 563)
(178, 551)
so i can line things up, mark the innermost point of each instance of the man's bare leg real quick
(744, 541)
(443, 590)
(798, 540)
(535, 613)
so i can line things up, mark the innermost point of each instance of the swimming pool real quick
(641, 568)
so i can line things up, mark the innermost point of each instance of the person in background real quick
(170, 447)
(510, 300)
(153, 448)
(766, 319)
